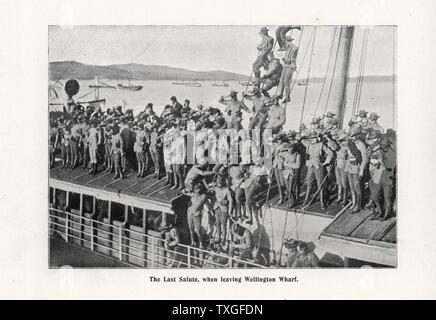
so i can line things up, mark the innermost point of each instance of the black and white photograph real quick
(222, 146)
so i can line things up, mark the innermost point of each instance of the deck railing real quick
(134, 247)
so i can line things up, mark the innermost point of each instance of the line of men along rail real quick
(352, 162)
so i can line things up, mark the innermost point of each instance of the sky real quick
(205, 48)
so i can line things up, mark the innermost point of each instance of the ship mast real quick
(339, 96)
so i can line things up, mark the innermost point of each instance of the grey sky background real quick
(204, 48)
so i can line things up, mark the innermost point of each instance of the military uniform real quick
(94, 142)
(382, 167)
(223, 204)
(107, 149)
(252, 186)
(289, 66)
(281, 35)
(178, 156)
(276, 118)
(166, 113)
(171, 240)
(176, 109)
(315, 153)
(291, 168)
(341, 175)
(192, 175)
(260, 110)
(244, 243)
(306, 261)
(271, 78)
(278, 169)
(263, 49)
(167, 154)
(74, 142)
(233, 112)
(195, 212)
(53, 132)
(373, 124)
(359, 121)
(153, 119)
(236, 175)
(83, 146)
(291, 258)
(66, 142)
(117, 150)
(139, 149)
(355, 166)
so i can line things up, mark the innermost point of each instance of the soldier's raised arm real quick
(329, 155)
(244, 106)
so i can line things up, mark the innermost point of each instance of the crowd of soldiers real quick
(344, 162)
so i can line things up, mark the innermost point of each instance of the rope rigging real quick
(356, 105)
(271, 173)
(359, 82)
(286, 222)
(266, 207)
(308, 76)
(311, 43)
(326, 72)
(334, 71)
(303, 211)
(86, 94)
(71, 62)
(65, 45)
(304, 57)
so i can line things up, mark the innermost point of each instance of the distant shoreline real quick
(311, 80)
(133, 71)
(139, 72)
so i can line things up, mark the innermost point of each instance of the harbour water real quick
(376, 96)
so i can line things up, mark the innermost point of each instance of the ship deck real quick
(146, 188)
(151, 188)
(360, 227)
(358, 236)
(352, 235)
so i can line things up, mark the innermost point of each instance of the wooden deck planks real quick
(347, 222)
(373, 229)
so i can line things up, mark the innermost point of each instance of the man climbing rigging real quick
(281, 35)
(289, 66)
(272, 75)
(263, 49)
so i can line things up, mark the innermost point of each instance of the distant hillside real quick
(73, 69)
(77, 70)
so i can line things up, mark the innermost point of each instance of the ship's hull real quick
(192, 84)
(219, 85)
(132, 88)
(246, 83)
(276, 222)
(100, 87)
